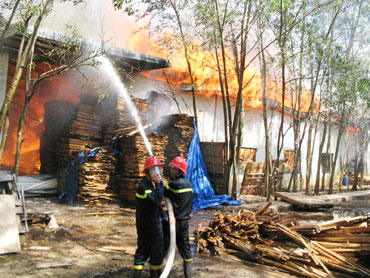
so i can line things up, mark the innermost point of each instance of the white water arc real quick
(108, 69)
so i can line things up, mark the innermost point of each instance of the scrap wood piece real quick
(350, 238)
(39, 248)
(341, 222)
(53, 265)
(303, 201)
(316, 248)
(249, 250)
(264, 209)
(294, 270)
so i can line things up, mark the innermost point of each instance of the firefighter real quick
(181, 194)
(149, 195)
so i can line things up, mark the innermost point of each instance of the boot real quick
(155, 273)
(187, 269)
(137, 273)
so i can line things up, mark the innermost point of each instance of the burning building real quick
(66, 118)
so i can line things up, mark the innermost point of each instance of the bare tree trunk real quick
(282, 43)
(323, 178)
(344, 162)
(6, 27)
(19, 69)
(319, 163)
(336, 154)
(268, 160)
(27, 98)
(224, 104)
(4, 135)
(20, 135)
(173, 4)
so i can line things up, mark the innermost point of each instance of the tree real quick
(234, 33)
(39, 11)
(67, 55)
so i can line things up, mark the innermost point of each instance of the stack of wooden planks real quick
(130, 166)
(92, 125)
(94, 179)
(82, 132)
(118, 119)
(269, 238)
(179, 130)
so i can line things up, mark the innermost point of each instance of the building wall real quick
(211, 124)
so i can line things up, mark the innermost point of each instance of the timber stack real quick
(179, 130)
(118, 120)
(130, 165)
(94, 178)
(82, 132)
(269, 238)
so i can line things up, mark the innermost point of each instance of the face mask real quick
(155, 174)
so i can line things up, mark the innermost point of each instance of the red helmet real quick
(152, 161)
(179, 163)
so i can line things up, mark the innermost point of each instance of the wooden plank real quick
(9, 234)
(52, 265)
(302, 200)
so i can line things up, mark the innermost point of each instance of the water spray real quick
(109, 71)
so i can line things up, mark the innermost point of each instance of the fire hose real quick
(171, 253)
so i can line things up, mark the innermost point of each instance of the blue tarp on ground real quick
(204, 196)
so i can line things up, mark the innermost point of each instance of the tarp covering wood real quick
(204, 196)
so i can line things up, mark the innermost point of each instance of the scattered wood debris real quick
(53, 265)
(269, 238)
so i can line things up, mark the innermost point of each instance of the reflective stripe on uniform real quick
(155, 267)
(138, 266)
(179, 190)
(188, 260)
(144, 195)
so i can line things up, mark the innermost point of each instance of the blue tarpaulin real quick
(204, 196)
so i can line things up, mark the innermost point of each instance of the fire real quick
(61, 87)
(203, 63)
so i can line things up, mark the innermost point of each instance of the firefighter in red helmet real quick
(181, 194)
(149, 195)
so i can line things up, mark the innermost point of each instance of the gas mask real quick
(155, 174)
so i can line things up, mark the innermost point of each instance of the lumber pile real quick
(130, 165)
(253, 179)
(349, 236)
(179, 130)
(117, 117)
(82, 132)
(94, 179)
(269, 238)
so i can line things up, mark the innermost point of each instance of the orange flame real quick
(49, 89)
(203, 64)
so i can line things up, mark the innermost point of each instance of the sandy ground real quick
(103, 246)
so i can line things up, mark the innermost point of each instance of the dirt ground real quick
(99, 246)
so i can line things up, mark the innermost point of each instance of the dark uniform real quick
(180, 192)
(149, 225)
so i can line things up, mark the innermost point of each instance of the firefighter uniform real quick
(149, 225)
(180, 192)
